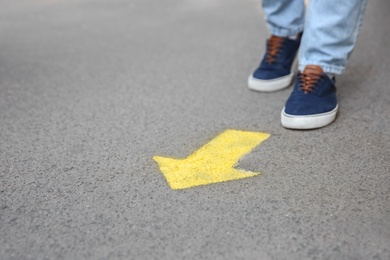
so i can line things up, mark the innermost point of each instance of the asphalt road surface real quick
(91, 90)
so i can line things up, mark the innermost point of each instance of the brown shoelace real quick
(273, 46)
(310, 77)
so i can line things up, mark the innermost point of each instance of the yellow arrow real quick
(213, 162)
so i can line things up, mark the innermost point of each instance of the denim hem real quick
(325, 67)
(282, 32)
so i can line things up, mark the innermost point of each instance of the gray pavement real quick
(91, 90)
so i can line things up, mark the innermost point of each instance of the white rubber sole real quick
(308, 121)
(272, 85)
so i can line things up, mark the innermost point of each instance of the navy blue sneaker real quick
(276, 69)
(313, 102)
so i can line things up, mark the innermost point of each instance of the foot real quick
(313, 102)
(276, 68)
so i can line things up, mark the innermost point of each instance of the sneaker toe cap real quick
(310, 106)
(269, 74)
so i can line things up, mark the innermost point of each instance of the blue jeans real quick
(330, 29)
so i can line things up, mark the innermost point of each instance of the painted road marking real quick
(213, 162)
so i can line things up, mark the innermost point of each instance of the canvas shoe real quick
(276, 69)
(313, 102)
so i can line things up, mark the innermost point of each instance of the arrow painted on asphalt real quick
(212, 163)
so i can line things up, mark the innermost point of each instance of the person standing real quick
(322, 37)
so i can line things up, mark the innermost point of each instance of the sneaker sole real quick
(271, 85)
(308, 121)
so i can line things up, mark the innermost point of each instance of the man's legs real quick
(330, 32)
(331, 29)
(284, 17)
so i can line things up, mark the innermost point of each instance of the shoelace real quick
(274, 45)
(308, 81)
